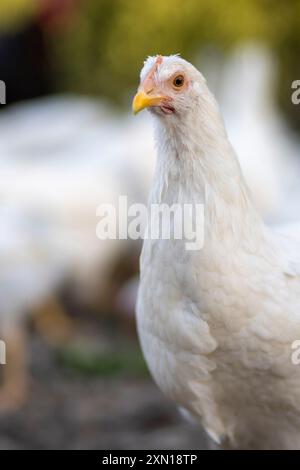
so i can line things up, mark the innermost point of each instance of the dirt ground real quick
(72, 406)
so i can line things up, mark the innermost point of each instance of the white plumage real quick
(32, 268)
(60, 159)
(216, 325)
(244, 83)
(266, 147)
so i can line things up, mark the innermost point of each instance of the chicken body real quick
(217, 324)
(60, 159)
(63, 157)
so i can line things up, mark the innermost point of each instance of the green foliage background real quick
(14, 13)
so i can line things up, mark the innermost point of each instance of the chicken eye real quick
(178, 81)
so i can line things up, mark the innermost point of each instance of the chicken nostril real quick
(149, 91)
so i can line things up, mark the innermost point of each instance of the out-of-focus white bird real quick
(247, 101)
(245, 83)
(217, 324)
(60, 159)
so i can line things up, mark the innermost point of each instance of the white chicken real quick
(216, 324)
(265, 146)
(244, 85)
(60, 159)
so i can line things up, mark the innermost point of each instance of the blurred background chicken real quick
(69, 144)
(56, 171)
(270, 158)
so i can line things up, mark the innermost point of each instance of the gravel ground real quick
(71, 411)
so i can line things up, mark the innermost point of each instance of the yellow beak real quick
(142, 100)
